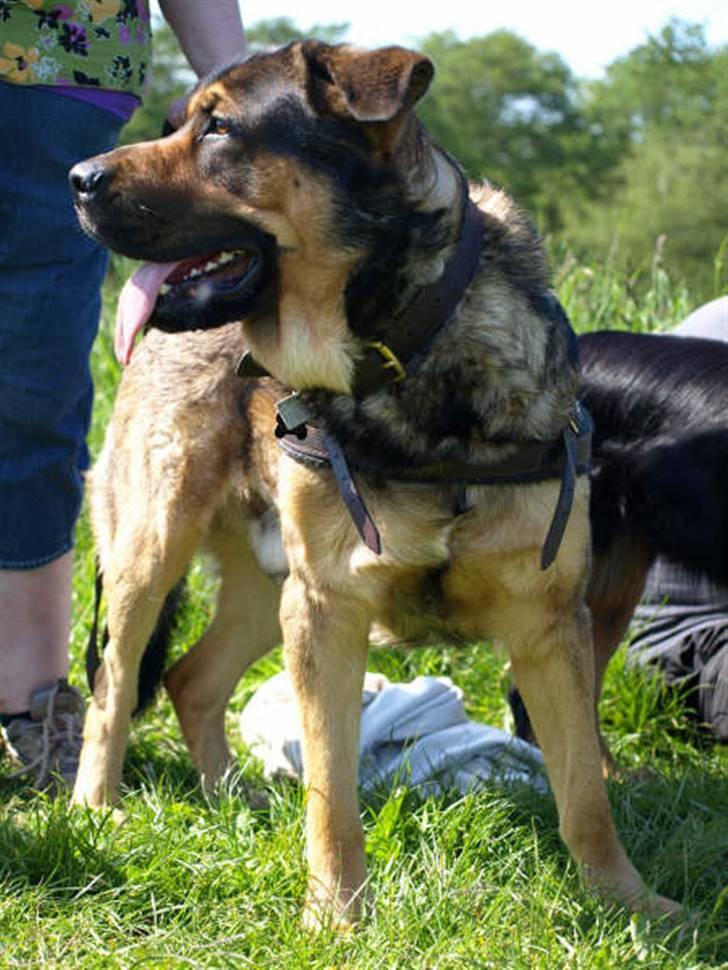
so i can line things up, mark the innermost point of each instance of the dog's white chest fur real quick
(265, 538)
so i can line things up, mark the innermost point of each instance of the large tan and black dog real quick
(441, 493)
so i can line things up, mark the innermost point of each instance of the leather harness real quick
(564, 457)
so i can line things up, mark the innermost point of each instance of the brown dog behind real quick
(304, 197)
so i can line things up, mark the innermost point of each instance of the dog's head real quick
(296, 178)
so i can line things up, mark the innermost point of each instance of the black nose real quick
(87, 178)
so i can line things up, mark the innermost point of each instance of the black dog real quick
(660, 480)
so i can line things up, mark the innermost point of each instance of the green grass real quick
(474, 882)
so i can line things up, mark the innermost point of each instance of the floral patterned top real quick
(96, 44)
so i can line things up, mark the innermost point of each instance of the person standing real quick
(71, 74)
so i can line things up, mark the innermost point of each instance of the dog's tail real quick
(154, 658)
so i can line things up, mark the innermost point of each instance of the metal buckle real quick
(576, 422)
(292, 415)
(391, 361)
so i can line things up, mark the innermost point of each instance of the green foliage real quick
(664, 109)
(282, 30)
(601, 295)
(615, 168)
(512, 114)
(666, 82)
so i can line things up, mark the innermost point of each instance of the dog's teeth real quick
(210, 266)
(164, 289)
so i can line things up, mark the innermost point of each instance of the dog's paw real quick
(96, 797)
(338, 913)
(623, 885)
(655, 906)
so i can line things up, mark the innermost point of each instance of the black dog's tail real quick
(153, 662)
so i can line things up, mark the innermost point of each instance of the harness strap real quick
(576, 434)
(564, 459)
(358, 511)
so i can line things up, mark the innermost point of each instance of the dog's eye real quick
(218, 126)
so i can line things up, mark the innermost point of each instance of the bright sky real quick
(587, 34)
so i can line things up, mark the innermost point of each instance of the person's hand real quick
(177, 113)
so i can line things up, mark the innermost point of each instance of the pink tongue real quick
(136, 302)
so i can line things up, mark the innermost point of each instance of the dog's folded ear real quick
(369, 86)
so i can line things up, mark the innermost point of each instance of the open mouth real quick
(201, 277)
(206, 291)
(195, 293)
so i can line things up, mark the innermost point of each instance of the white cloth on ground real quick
(709, 320)
(416, 734)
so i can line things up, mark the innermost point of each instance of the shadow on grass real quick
(45, 843)
(671, 819)
(672, 825)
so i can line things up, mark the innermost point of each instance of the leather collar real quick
(409, 333)
(384, 363)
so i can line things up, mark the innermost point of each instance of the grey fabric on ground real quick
(682, 626)
(415, 734)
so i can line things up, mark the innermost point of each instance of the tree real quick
(665, 107)
(282, 30)
(514, 115)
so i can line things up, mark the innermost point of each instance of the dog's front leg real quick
(325, 636)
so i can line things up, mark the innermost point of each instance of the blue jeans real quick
(50, 282)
